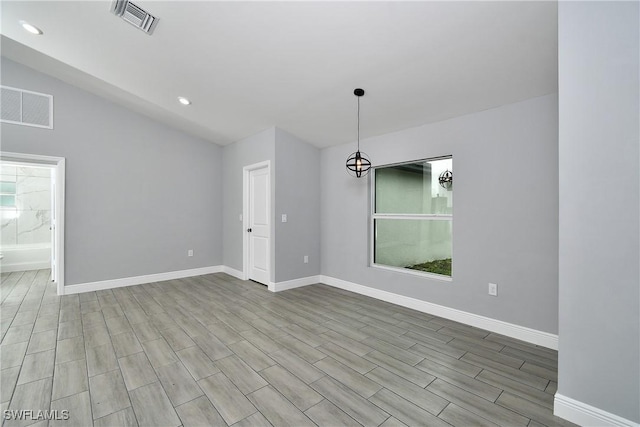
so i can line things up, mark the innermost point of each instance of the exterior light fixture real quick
(446, 179)
(31, 28)
(184, 101)
(358, 164)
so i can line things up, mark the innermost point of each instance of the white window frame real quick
(373, 216)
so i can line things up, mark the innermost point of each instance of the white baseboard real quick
(138, 280)
(522, 333)
(233, 272)
(586, 415)
(25, 266)
(295, 283)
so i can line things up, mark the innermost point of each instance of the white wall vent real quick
(134, 15)
(23, 107)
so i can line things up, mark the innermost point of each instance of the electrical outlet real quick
(240, 217)
(493, 289)
(284, 217)
(306, 259)
(190, 252)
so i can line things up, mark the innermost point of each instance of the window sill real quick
(416, 273)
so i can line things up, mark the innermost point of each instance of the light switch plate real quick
(284, 217)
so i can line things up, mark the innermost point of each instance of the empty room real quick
(235, 213)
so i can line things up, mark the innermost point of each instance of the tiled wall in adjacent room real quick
(25, 209)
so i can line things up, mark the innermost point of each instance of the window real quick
(7, 194)
(412, 217)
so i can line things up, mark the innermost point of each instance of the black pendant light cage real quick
(358, 163)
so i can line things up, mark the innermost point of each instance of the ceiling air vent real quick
(134, 15)
(23, 107)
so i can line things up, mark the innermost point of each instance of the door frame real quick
(57, 164)
(245, 215)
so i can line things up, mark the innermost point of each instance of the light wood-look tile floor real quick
(215, 351)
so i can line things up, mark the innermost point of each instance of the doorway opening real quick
(32, 212)
(256, 214)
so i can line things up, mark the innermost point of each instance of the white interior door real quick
(259, 225)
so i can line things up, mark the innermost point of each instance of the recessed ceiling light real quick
(184, 101)
(31, 28)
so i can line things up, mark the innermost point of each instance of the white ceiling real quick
(247, 66)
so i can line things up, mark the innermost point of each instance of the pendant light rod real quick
(358, 93)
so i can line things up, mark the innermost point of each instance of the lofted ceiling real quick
(247, 66)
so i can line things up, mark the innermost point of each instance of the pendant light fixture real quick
(358, 164)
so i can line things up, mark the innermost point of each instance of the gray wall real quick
(298, 196)
(138, 194)
(295, 185)
(505, 215)
(254, 149)
(599, 205)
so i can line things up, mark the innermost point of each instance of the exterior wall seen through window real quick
(412, 217)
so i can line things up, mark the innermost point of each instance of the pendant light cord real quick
(358, 123)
